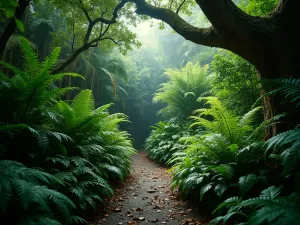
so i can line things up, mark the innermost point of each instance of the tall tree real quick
(270, 43)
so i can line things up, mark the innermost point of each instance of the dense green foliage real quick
(31, 193)
(238, 177)
(228, 157)
(213, 162)
(258, 7)
(163, 141)
(182, 90)
(235, 81)
(270, 207)
(61, 134)
(69, 149)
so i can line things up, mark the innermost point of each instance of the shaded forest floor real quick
(145, 197)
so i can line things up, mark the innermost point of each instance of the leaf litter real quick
(146, 198)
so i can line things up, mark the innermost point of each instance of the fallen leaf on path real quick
(131, 223)
(117, 210)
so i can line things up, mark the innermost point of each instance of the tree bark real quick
(271, 43)
(11, 25)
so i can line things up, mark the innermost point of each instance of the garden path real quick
(145, 197)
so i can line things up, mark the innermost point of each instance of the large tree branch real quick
(71, 58)
(84, 47)
(87, 43)
(231, 29)
(232, 23)
(204, 36)
(11, 25)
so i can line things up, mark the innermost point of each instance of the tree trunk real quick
(281, 60)
(280, 66)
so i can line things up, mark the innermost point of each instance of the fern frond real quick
(289, 87)
(50, 61)
(205, 189)
(30, 60)
(247, 182)
(271, 192)
(283, 138)
(233, 201)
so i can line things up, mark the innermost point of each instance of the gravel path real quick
(145, 198)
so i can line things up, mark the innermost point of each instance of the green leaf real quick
(233, 148)
(205, 189)
(247, 182)
(220, 189)
(9, 13)
(228, 216)
(271, 192)
(20, 25)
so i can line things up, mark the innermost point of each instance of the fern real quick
(289, 87)
(25, 189)
(247, 182)
(163, 142)
(289, 143)
(182, 90)
(268, 208)
(215, 161)
(98, 150)
(33, 84)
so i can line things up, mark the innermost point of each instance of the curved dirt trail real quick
(145, 198)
